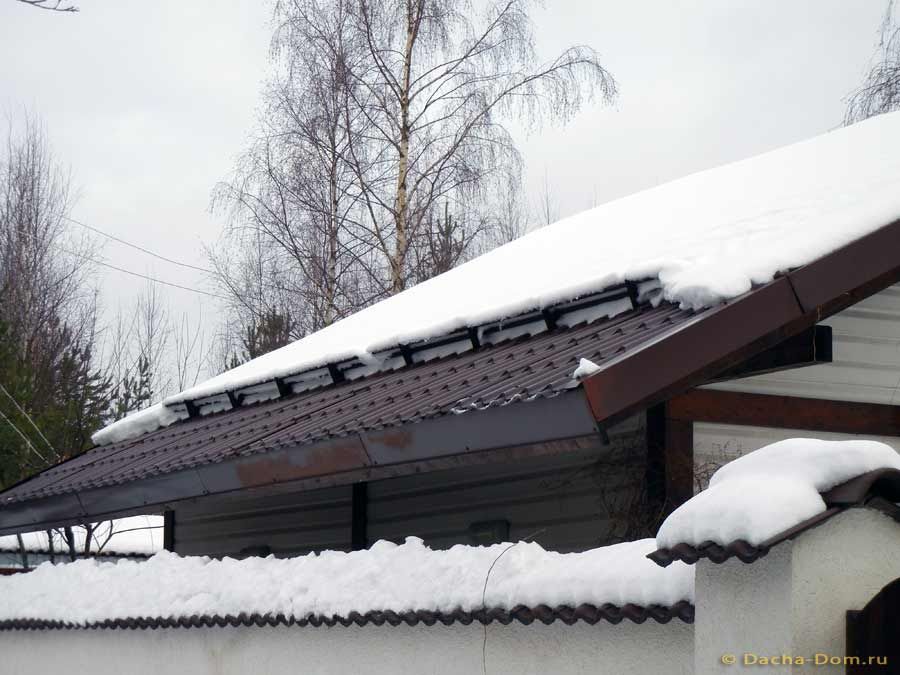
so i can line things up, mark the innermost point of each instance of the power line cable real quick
(28, 417)
(138, 247)
(23, 437)
(144, 276)
(159, 256)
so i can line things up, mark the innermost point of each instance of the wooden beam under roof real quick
(786, 412)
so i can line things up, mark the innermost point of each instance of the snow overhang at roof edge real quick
(879, 490)
(607, 303)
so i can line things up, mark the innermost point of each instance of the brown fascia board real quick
(746, 326)
(544, 426)
(713, 342)
(849, 274)
(714, 406)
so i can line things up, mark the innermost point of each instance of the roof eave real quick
(543, 426)
(745, 326)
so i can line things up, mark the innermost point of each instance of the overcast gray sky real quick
(149, 102)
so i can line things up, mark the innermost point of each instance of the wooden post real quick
(169, 530)
(679, 462)
(670, 460)
(359, 514)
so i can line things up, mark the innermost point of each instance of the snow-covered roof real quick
(136, 535)
(386, 577)
(771, 490)
(706, 237)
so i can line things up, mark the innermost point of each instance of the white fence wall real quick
(603, 649)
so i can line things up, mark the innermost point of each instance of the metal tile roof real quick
(590, 614)
(516, 371)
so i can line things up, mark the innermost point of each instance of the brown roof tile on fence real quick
(491, 376)
(879, 489)
(590, 614)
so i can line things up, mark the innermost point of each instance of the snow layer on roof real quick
(142, 535)
(388, 576)
(707, 237)
(770, 490)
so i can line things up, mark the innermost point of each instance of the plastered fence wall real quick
(791, 602)
(623, 649)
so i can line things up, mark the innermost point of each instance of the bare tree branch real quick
(57, 6)
(880, 91)
(382, 157)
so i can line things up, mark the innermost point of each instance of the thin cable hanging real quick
(28, 417)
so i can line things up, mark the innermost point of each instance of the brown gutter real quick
(713, 406)
(744, 327)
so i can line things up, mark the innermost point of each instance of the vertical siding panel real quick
(866, 365)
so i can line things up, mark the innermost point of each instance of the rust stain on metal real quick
(396, 439)
(318, 460)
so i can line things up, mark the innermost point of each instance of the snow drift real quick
(387, 576)
(770, 490)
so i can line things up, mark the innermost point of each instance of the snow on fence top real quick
(707, 237)
(387, 576)
(136, 535)
(770, 490)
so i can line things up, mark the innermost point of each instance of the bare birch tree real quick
(51, 5)
(293, 197)
(383, 157)
(149, 352)
(880, 91)
(440, 78)
(547, 203)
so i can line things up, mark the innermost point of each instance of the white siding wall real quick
(866, 363)
(717, 444)
(866, 367)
